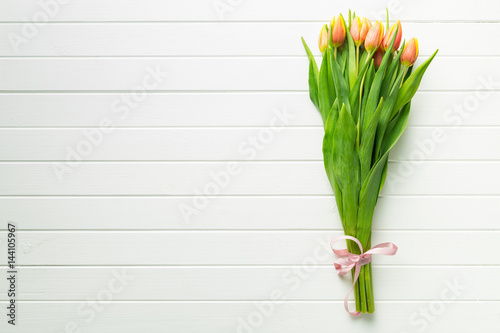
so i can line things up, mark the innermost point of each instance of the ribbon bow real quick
(350, 261)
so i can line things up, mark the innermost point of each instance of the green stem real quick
(358, 125)
(369, 291)
(357, 296)
(402, 80)
(362, 290)
(370, 55)
(357, 299)
(357, 60)
(365, 283)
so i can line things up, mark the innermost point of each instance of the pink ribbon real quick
(344, 265)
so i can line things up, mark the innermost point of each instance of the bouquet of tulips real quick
(363, 91)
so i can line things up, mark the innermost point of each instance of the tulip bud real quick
(338, 31)
(377, 57)
(374, 37)
(390, 34)
(356, 30)
(323, 39)
(365, 27)
(410, 53)
(359, 30)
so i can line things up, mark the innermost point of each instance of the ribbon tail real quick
(346, 299)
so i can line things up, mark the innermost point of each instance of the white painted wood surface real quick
(244, 283)
(247, 247)
(207, 73)
(106, 247)
(230, 39)
(218, 144)
(258, 10)
(221, 109)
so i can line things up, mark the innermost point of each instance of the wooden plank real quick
(227, 39)
(230, 317)
(249, 283)
(256, 10)
(245, 248)
(227, 109)
(235, 178)
(205, 74)
(276, 143)
(245, 213)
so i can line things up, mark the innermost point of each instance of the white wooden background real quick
(230, 64)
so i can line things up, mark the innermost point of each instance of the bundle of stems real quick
(363, 91)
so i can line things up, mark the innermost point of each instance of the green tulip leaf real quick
(341, 87)
(347, 168)
(411, 85)
(324, 94)
(374, 94)
(311, 59)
